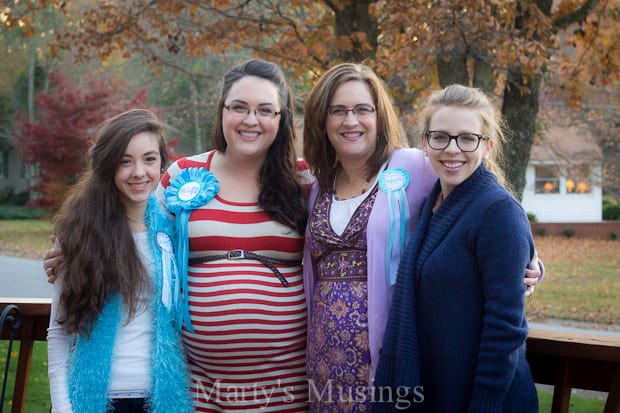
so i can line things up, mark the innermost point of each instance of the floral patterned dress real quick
(338, 351)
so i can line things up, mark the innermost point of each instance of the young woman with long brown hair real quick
(113, 340)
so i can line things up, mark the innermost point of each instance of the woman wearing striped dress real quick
(245, 288)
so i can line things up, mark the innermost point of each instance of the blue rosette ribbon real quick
(393, 182)
(190, 189)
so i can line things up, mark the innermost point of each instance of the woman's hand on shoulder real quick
(533, 275)
(52, 261)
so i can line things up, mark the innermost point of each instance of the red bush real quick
(57, 140)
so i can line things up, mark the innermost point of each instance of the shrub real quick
(611, 212)
(21, 212)
(568, 232)
(613, 236)
(541, 231)
(531, 217)
(608, 199)
(8, 196)
(6, 193)
(20, 198)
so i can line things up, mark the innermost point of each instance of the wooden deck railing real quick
(564, 360)
(569, 360)
(35, 313)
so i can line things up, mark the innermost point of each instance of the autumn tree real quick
(58, 138)
(506, 48)
(509, 48)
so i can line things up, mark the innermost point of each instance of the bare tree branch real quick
(579, 15)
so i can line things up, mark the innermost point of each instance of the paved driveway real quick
(20, 277)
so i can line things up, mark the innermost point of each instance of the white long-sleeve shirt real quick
(130, 373)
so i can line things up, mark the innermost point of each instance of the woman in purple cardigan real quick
(455, 339)
(365, 203)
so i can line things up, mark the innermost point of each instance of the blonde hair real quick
(493, 126)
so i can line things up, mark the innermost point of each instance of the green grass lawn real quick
(38, 395)
(582, 283)
(577, 404)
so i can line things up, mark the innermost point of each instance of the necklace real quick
(340, 197)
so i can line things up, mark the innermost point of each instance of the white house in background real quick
(12, 170)
(563, 178)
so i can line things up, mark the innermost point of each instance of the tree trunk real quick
(452, 71)
(32, 170)
(32, 62)
(356, 18)
(483, 76)
(199, 145)
(519, 110)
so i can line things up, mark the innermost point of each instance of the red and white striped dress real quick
(248, 351)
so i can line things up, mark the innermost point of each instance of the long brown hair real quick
(281, 195)
(100, 256)
(318, 151)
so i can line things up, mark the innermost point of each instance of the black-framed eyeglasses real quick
(361, 111)
(466, 142)
(241, 109)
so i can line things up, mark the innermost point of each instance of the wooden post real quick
(561, 388)
(23, 367)
(613, 397)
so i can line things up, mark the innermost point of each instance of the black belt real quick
(242, 254)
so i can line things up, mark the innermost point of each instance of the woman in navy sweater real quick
(455, 339)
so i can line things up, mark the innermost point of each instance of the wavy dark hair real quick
(318, 151)
(100, 256)
(281, 195)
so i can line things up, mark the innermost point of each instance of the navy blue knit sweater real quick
(456, 331)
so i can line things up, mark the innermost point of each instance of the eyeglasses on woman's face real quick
(466, 142)
(361, 111)
(238, 109)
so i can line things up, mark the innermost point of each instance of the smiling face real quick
(138, 173)
(452, 165)
(250, 135)
(352, 138)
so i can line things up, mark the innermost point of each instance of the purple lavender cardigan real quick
(421, 180)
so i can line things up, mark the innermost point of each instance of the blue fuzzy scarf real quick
(89, 365)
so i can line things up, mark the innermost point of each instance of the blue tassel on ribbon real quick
(189, 190)
(182, 219)
(393, 182)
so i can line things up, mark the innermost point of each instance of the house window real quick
(579, 180)
(547, 180)
(4, 164)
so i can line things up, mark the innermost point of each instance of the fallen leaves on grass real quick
(25, 238)
(582, 280)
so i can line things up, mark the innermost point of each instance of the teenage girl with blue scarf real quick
(113, 340)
